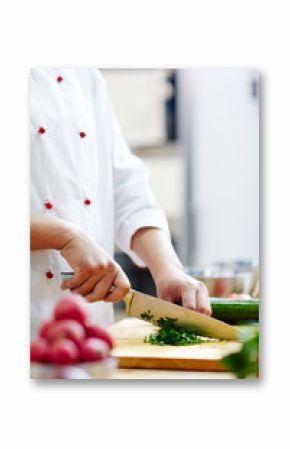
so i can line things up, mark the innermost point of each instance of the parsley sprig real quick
(170, 334)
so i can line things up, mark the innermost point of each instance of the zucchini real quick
(235, 310)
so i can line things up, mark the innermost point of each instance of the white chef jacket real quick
(82, 171)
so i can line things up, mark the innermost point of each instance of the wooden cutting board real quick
(132, 352)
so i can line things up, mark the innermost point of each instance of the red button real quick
(87, 202)
(59, 79)
(48, 205)
(82, 134)
(41, 130)
(49, 275)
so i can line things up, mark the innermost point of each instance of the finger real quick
(101, 288)
(122, 287)
(89, 285)
(76, 281)
(165, 296)
(207, 299)
(202, 300)
(168, 298)
(188, 297)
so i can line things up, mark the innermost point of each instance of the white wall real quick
(166, 181)
(222, 137)
(138, 98)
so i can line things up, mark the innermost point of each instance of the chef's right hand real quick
(94, 270)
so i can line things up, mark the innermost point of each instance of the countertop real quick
(146, 374)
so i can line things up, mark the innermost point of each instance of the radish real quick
(93, 350)
(72, 307)
(38, 350)
(100, 333)
(68, 329)
(63, 352)
(44, 328)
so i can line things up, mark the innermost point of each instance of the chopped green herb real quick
(147, 316)
(170, 334)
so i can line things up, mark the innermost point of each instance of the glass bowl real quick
(88, 370)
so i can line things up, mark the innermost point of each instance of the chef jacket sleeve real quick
(135, 206)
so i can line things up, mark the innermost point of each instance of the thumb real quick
(122, 286)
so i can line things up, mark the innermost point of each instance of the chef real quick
(88, 192)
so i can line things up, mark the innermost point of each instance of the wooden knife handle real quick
(127, 298)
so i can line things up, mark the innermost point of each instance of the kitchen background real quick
(198, 132)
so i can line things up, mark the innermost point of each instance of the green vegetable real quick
(147, 316)
(246, 362)
(170, 334)
(235, 310)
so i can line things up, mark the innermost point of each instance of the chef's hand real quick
(153, 246)
(175, 286)
(94, 270)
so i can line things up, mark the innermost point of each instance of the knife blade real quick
(150, 308)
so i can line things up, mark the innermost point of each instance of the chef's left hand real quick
(175, 286)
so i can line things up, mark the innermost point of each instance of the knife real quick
(149, 308)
